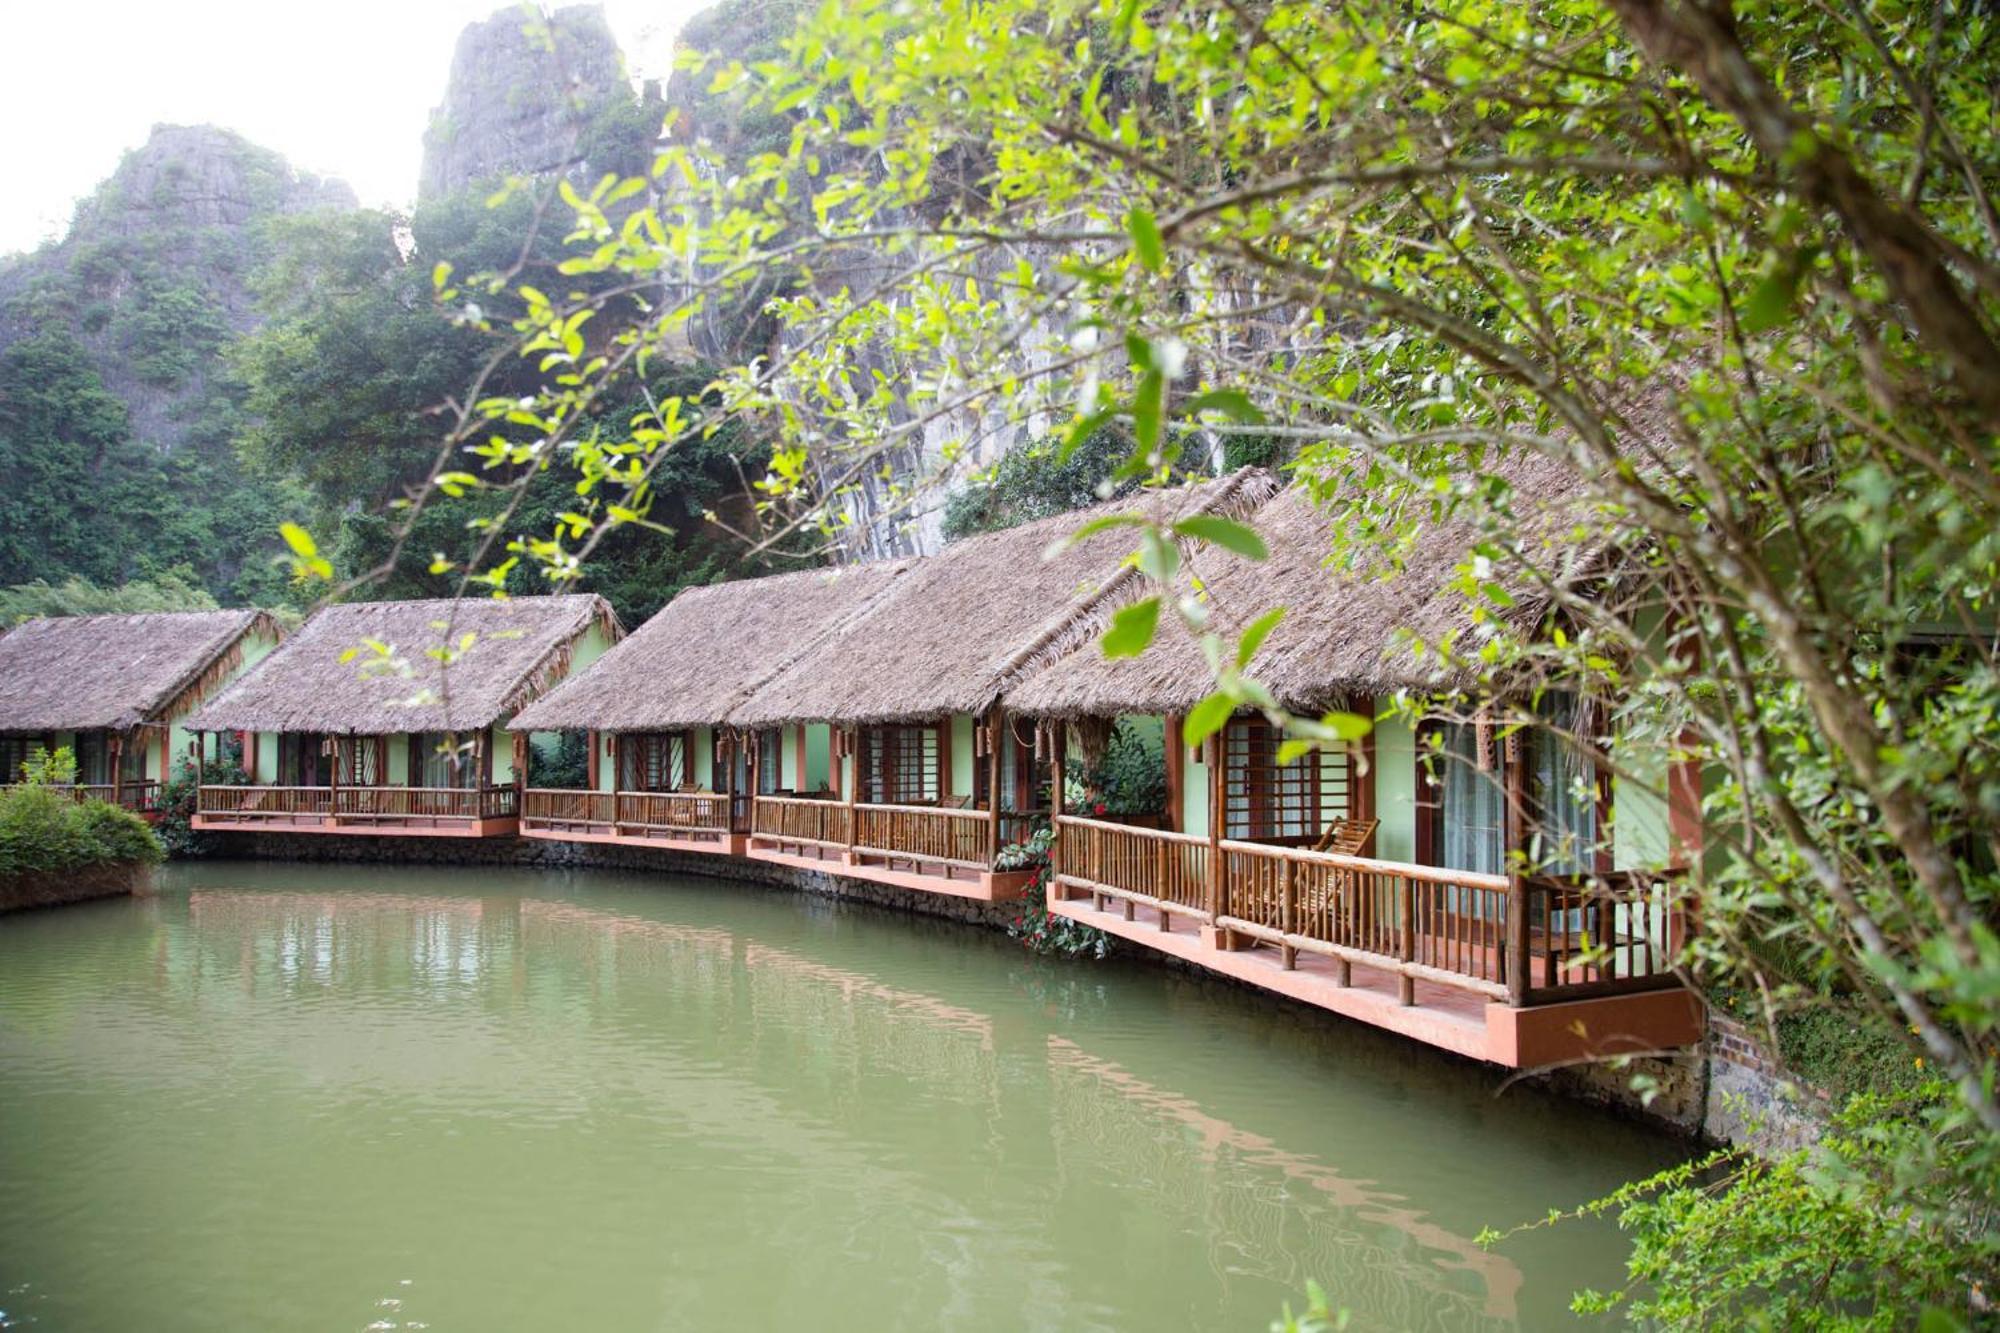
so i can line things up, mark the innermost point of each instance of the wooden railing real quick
(564, 810)
(925, 832)
(697, 812)
(297, 805)
(797, 819)
(1608, 934)
(404, 805)
(1574, 937)
(700, 815)
(141, 794)
(414, 806)
(1421, 922)
(1165, 871)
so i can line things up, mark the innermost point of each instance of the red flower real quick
(1097, 809)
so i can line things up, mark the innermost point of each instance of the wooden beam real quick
(1176, 752)
(1218, 887)
(993, 722)
(590, 759)
(1517, 884)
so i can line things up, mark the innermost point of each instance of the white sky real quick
(340, 87)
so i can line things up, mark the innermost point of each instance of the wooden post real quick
(1406, 942)
(1058, 743)
(850, 781)
(1176, 753)
(590, 760)
(617, 780)
(1288, 956)
(333, 782)
(1516, 955)
(520, 739)
(117, 748)
(993, 734)
(200, 766)
(1218, 879)
(756, 766)
(1361, 786)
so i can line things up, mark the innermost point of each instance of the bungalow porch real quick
(390, 719)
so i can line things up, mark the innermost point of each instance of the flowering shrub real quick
(1039, 929)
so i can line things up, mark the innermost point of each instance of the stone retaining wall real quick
(74, 886)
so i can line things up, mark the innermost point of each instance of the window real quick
(301, 760)
(93, 758)
(1266, 801)
(14, 752)
(653, 761)
(362, 761)
(899, 765)
(435, 761)
(770, 762)
(1463, 821)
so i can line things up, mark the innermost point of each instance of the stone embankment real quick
(57, 888)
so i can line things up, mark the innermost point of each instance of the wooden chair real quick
(955, 803)
(1346, 837)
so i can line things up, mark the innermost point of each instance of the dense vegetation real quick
(46, 831)
(1728, 273)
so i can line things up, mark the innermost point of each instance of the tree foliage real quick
(1727, 270)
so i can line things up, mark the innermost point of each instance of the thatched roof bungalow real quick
(958, 628)
(695, 661)
(114, 689)
(371, 668)
(1343, 635)
(113, 673)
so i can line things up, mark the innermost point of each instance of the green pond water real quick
(334, 1098)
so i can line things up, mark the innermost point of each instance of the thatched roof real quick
(395, 681)
(706, 650)
(1341, 633)
(959, 627)
(83, 673)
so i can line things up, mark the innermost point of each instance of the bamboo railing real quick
(1165, 871)
(924, 833)
(701, 813)
(800, 819)
(1576, 937)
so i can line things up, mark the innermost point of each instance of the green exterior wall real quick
(961, 778)
(703, 767)
(502, 743)
(819, 750)
(1395, 779)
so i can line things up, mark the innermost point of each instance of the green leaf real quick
(1206, 718)
(1232, 403)
(1147, 244)
(1226, 533)
(299, 540)
(1253, 638)
(1132, 628)
(1290, 752)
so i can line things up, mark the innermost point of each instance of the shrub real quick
(1131, 779)
(177, 801)
(44, 830)
(1038, 929)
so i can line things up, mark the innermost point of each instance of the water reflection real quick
(709, 1106)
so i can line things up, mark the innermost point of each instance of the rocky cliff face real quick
(153, 276)
(535, 98)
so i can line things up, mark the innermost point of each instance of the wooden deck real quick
(931, 849)
(1519, 975)
(674, 821)
(405, 812)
